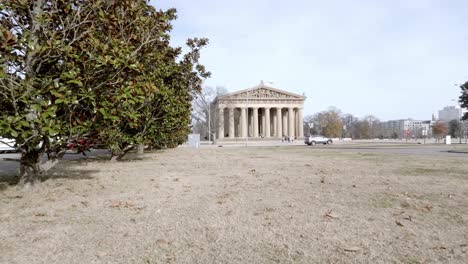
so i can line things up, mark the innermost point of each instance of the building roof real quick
(262, 86)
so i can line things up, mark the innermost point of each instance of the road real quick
(418, 150)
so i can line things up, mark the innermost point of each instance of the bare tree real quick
(204, 112)
(349, 125)
(373, 124)
(309, 127)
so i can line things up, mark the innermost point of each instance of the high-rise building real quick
(450, 113)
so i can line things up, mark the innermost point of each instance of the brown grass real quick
(243, 205)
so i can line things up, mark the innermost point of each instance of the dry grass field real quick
(243, 205)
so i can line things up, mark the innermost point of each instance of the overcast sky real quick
(390, 58)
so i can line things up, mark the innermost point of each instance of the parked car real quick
(6, 145)
(313, 140)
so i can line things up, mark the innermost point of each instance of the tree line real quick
(92, 73)
(335, 124)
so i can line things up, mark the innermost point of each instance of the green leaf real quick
(77, 82)
(103, 112)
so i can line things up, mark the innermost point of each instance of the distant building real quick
(406, 128)
(450, 113)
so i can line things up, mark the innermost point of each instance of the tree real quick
(309, 127)
(329, 122)
(349, 125)
(40, 88)
(439, 129)
(68, 69)
(362, 130)
(157, 86)
(454, 127)
(203, 110)
(464, 99)
(373, 124)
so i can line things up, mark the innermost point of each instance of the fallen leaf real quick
(126, 204)
(330, 215)
(428, 207)
(351, 249)
(39, 214)
(405, 204)
(439, 247)
(162, 242)
(398, 223)
(409, 218)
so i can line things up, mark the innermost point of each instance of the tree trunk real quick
(118, 156)
(141, 149)
(30, 170)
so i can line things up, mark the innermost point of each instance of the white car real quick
(6, 145)
(313, 140)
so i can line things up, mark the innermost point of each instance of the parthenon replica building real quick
(259, 112)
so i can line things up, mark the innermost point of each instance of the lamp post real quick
(209, 123)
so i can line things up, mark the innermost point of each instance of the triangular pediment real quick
(262, 91)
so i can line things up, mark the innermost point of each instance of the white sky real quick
(390, 58)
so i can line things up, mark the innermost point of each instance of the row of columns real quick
(289, 122)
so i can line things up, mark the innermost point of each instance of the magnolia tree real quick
(97, 70)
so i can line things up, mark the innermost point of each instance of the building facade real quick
(450, 113)
(404, 128)
(259, 112)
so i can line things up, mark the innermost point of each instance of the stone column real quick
(279, 117)
(285, 123)
(255, 122)
(263, 123)
(275, 124)
(231, 122)
(267, 122)
(221, 123)
(301, 123)
(250, 123)
(244, 122)
(291, 122)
